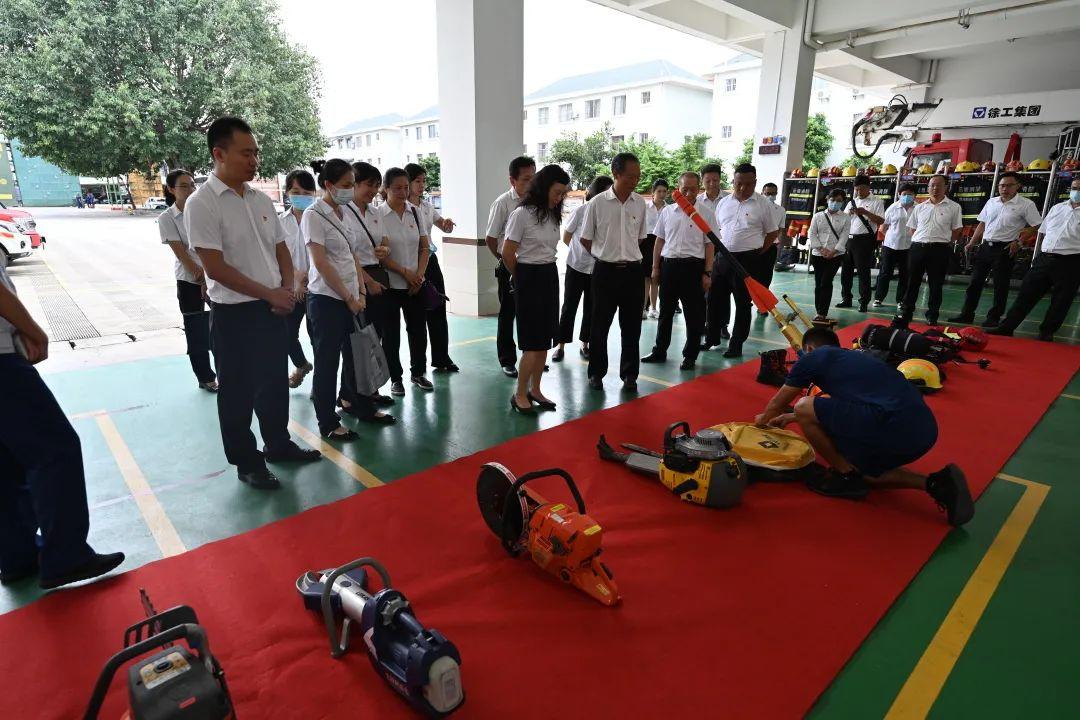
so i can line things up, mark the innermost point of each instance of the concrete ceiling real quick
(869, 44)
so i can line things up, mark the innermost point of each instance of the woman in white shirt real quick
(190, 280)
(578, 282)
(335, 297)
(406, 263)
(653, 209)
(438, 332)
(828, 242)
(532, 240)
(896, 245)
(300, 194)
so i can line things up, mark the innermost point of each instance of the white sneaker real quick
(877, 303)
(654, 314)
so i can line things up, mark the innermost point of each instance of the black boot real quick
(949, 488)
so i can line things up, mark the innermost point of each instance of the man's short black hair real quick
(520, 163)
(620, 161)
(660, 183)
(906, 187)
(711, 168)
(861, 180)
(221, 131)
(768, 185)
(745, 168)
(820, 337)
(1010, 174)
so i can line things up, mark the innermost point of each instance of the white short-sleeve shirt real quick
(821, 234)
(704, 201)
(898, 234)
(321, 226)
(7, 330)
(404, 237)
(367, 231)
(615, 228)
(744, 224)
(244, 228)
(682, 238)
(1005, 220)
(1062, 230)
(537, 242)
(871, 203)
(500, 213)
(171, 228)
(428, 217)
(935, 223)
(578, 258)
(290, 226)
(652, 214)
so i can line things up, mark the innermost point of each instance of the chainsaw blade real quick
(492, 488)
(640, 449)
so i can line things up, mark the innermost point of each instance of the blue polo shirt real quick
(855, 377)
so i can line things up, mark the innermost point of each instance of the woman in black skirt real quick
(653, 209)
(532, 236)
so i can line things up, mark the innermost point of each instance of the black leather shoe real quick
(523, 410)
(687, 364)
(260, 479)
(654, 357)
(542, 404)
(1046, 337)
(449, 368)
(629, 385)
(509, 371)
(291, 453)
(991, 322)
(1000, 330)
(596, 383)
(733, 351)
(8, 577)
(383, 400)
(384, 419)
(92, 568)
(962, 318)
(346, 436)
(558, 355)
(844, 304)
(862, 307)
(705, 347)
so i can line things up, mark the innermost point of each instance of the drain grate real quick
(65, 319)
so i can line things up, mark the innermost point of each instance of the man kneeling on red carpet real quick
(870, 424)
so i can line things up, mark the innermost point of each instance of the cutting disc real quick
(492, 488)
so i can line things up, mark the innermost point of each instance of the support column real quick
(787, 72)
(480, 65)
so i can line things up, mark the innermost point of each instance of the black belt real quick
(1060, 255)
(684, 261)
(373, 266)
(622, 264)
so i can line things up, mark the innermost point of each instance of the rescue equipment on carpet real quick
(176, 682)
(419, 663)
(563, 541)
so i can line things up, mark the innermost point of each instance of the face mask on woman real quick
(835, 206)
(301, 202)
(907, 200)
(1074, 196)
(343, 196)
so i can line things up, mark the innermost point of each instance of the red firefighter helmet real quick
(973, 338)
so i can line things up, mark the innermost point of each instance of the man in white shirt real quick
(867, 212)
(895, 247)
(1001, 222)
(235, 230)
(522, 170)
(613, 230)
(747, 226)
(936, 223)
(1055, 269)
(710, 181)
(682, 265)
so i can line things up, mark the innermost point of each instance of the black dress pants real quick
(504, 340)
(577, 285)
(824, 272)
(331, 324)
(680, 282)
(859, 258)
(251, 349)
(438, 330)
(991, 258)
(932, 259)
(1058, 274)
(399, 303)
(616, 287)
(196, 329)
(294, 320)
(892, 260)
(726, 283)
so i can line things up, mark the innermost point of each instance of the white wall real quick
(385, 148)
(683, 111)
(411, 147)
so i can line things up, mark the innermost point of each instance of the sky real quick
(379, 57)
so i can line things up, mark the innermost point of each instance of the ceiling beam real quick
(768, 15)
(838, 17)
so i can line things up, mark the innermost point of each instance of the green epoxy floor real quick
(1021, 660)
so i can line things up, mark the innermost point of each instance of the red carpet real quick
(743, 613)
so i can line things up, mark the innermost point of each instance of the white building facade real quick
(376, 140)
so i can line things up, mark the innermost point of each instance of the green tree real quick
(859, 162)
(819, 141)
(656, 162)
(433, 168)
(586, 157)
(104, 87)
(747, 154)
(691, 156)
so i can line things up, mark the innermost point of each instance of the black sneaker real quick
(862, 307)
(629, 385)
(844, 304)
(291, 453)
(654, 357)
(447, 368)
(850, 486)
(422, 382)
(558, 355)
(509, 371)
(687, 364)
(991, 322)
(949, 488)
(596, 383)
(734, 350)
(877, 303)
(92, 568)
(261, 479)
(1000, 330)
(397, 388)
(1046, 337)
(963, 318)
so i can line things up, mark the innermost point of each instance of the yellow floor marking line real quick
(161, 528)
(923, 686)
(473, 341)
(656, 381)
(1071, 397)
(358, 472)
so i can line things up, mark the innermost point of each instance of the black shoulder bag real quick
(379, 274)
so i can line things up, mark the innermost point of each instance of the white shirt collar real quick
(175, 211)
(219, 187)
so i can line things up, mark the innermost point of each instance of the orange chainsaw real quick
(561, 540)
